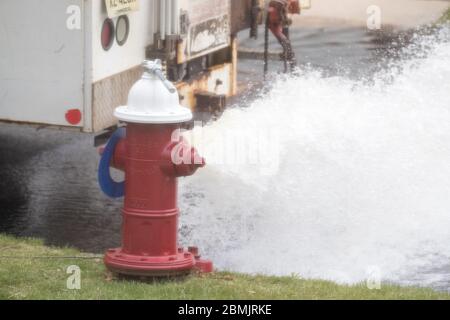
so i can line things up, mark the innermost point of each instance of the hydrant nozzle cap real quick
(153, 99)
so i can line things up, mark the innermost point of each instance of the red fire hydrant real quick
(153, 155)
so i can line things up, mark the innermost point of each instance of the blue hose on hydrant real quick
(110, 187)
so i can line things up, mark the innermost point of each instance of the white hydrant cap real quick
(153, 100)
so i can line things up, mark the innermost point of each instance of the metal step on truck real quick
(70, 63)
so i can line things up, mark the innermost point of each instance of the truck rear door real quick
(41, 61)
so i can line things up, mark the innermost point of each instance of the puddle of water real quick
(351, 51)
(50, 191)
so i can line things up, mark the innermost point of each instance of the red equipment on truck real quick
(278, 23)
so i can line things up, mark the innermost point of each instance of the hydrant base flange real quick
(119, 262)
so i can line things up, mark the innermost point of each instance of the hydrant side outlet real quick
(150, 213)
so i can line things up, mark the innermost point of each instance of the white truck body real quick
(52, 60)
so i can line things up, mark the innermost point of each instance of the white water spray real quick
(363, 179)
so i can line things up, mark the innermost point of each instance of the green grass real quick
(26, 272)
(445, 17)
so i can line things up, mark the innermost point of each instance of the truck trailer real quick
(70, 63)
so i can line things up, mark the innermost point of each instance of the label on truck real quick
(117, 8)
(209, 35)
(305, 4)
(208, 29)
